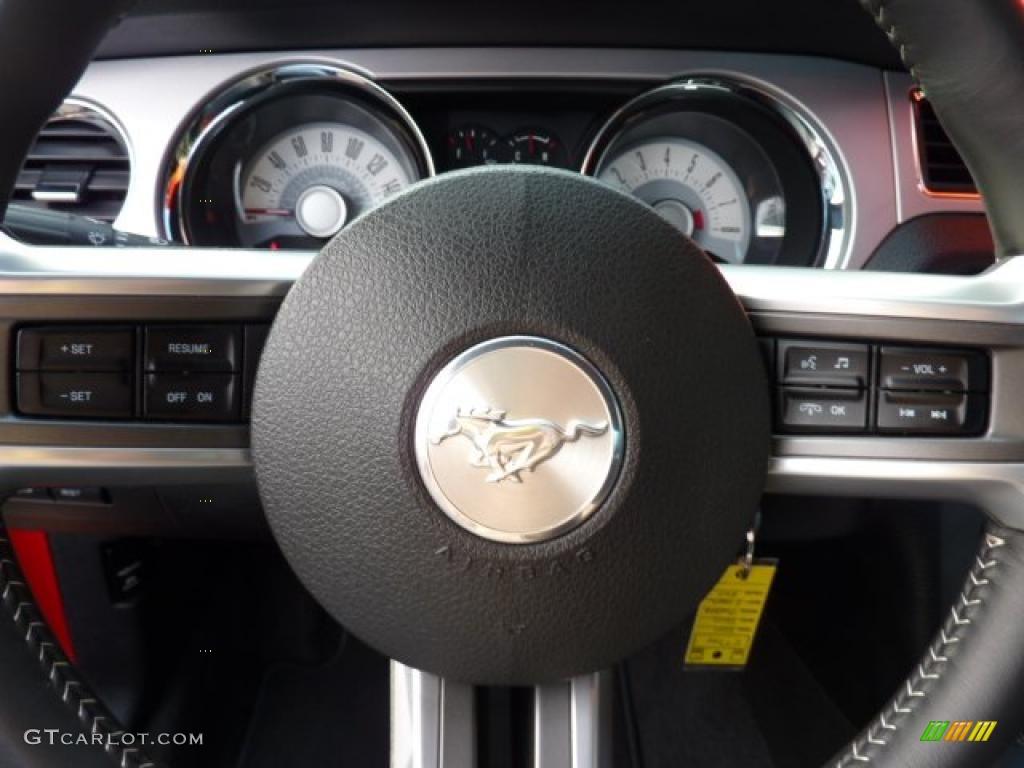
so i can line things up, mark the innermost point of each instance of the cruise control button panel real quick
(189, 373)
(831, 387)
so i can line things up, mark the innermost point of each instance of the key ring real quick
(747, 561)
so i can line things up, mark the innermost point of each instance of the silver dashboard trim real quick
(47, 465)
(995, 487)
(864, 113)
(996, 296)
(144, 271)
(846, 100)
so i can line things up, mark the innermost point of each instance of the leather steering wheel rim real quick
(968, 671)
(971, 86)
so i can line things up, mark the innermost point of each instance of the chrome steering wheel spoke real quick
(433, 722)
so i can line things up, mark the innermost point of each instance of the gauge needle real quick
(269, 212)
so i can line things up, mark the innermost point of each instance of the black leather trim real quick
(967, 55)
(810, 27)
(41, 689)
(939, 243)
(972, 671)
(45, 46)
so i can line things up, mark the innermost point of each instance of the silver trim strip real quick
(27, 465)
(997, 488)
(591, 715)
(139, 271)
(572, 723)
(433, 721)
(996, 296)
(552, 716)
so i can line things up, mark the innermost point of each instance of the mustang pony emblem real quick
(511, 446)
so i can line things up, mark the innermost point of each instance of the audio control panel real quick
(825, 387)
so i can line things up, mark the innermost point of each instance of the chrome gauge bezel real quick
(836, 224)
(230, 100)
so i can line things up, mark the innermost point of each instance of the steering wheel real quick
(510, 426)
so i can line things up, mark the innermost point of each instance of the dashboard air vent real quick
(942, 169)
(78, 164)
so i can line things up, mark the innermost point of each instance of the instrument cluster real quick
(286, 157)
(471, 145)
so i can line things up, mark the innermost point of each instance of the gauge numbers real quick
(312, 180)
(691, 187)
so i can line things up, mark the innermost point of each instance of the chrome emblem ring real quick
(519, 439)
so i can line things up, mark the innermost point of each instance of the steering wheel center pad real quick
(461, 260)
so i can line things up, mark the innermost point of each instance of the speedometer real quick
(314, 179)
(286, 157)
(692, 188)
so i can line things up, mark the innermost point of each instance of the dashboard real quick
(761, 158)
(287, 155)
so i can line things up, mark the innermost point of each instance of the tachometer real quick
(313, 180)
(736, 169)
(692, 188)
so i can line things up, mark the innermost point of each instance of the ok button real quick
(206, 397)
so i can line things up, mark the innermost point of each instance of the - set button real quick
(79, 395)
(824, 364)
(213, 349)
(207, 397)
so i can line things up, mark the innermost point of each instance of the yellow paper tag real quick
(723, 632)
